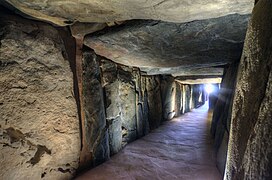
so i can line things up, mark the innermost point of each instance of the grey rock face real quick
(39, 126)
(213, 96)
(168, 92)
(198, 95)
(133, 103)
(154, 101)
(93, 102)
(69, 11)
(127, 96)
(250, 144)
(112, 105)
(188, 98)
(178, 99)
(222, 114)
(171, 47)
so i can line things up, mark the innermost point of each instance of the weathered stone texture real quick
(221, 115)
(168, 48)
(68, 11)
(94, 112)
(154, 101)
(132, 102)
(39, 126)
(250, 144)
(112, 105)
(198, 95)
(127, 102)
(213, 96)
(188, 98)
(168, 92)
(178, 100)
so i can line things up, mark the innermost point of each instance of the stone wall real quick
(198, 95)
(134, 103)
(180, 98)
(123, 105)
(154, 100)
(49, 127)
(250, 142)
(39, 125)
(168, 92)
(213, 96)
(94, 112)
(221, 115)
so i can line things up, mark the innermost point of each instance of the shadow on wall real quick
(222, 114)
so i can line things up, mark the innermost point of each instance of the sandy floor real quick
(179, 149)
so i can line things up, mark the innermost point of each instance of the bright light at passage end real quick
(209, 88)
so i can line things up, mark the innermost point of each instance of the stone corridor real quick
(179, 149)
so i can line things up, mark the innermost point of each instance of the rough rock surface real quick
(168, 91)
(222, 114)
(179, 98)
(198, 95)
(188, 98)
(195, 79)
(127, 96)
(137, 102)
(39, 126)
(63, 12)
(179, 149)
(112, 106)
(250, 144)
(93, 103)
(154, 101)
(185, 46)
(132, 102)
(213, 96)
(181, 71)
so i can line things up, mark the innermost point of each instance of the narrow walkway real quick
(179, 149)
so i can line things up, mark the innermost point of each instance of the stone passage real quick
(179, 149)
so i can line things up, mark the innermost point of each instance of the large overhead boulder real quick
(63, 12)
(181, 46)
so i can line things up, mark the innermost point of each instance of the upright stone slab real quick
(197, 95)
(222, 114)
(188, 98)
(250, 144)
(168, 92)
(39, 126)
(178, 100)
(145, 106)
(93, 103)
(111, 85)
(154, 101)
(127, 96)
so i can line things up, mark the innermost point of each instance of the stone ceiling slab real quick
(172, 47)
(180, 71)
(199, 79)
(63, 12)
